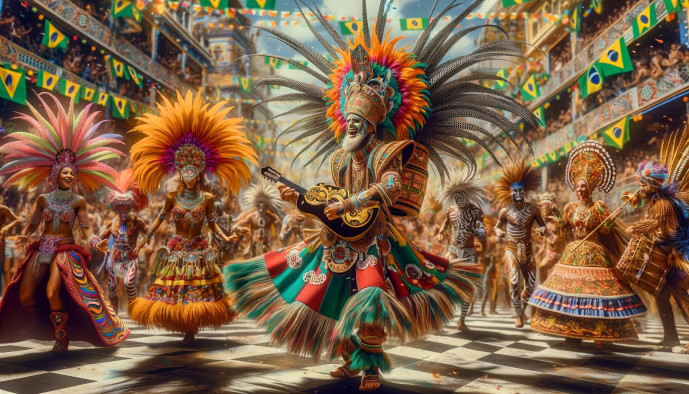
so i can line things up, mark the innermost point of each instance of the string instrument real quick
(313, 201)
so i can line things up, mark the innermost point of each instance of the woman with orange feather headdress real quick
(64, 149)
(192, 138)
(122, 234)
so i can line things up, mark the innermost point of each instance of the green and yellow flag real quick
(597, 6)
(88, 94)
(591, 81)
(499, 85)
(120, 108)
(217, 4)
(618, 134)
(575, 19)
(540, 115)
(102, 99)
(272, 61)
(351, 27)
(13, 86)
(507, 3)
(70, 89)
(530, 89)
(615, 59)
(644, 21)
(117, 68)
(52, 37)
(46, 80)
(672, 5)
(413, 23)
(245, 84)
(126, 9)
(135, 76)
(263, 4)
(302, 62)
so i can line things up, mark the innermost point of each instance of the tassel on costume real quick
(181, 317)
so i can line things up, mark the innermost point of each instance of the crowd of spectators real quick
(595, 24)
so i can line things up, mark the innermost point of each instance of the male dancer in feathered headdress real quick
(462, 198)
(263, 222)
(518, 217)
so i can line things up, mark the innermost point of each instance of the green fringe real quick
(251, 288)
(363, 360)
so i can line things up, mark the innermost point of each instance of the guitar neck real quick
(292, 185)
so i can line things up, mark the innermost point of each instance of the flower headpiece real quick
(591, 162)
(190, 137)
(408, 92)
(62, 140)
(127, 195)
(520, 174)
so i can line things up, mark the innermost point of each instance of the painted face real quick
(190, 183)
(460, 199)
(582, 190)
(65, 178)
(122, 203)
(517, 192)
(358, 133)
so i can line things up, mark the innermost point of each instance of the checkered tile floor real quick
(494, 357)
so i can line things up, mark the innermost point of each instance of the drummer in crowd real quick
(667, 225)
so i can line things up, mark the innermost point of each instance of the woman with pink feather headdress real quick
(53, 295)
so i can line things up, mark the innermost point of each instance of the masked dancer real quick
(462, 198)
(53, 295)
(518, 217)
(584, 298)
(191, 138)
(662, 237)
(389, 111)
(122, 234)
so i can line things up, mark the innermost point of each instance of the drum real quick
(644, 264)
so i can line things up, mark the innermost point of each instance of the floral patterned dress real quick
(584, 297)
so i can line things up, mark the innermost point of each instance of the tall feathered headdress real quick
(265, 193)
(191, 137)
(672, 172)
(421, 101)
(462, 181)
(128, 194)
(59, 140)
(519, 173)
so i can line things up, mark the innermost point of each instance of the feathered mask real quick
(60, 140)
(520, 174)
(462, 182)
(192, 137)
(128, 195)
(419, 96)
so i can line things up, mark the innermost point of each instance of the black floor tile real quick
(41, 383)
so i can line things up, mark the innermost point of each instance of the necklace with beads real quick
(189, 199)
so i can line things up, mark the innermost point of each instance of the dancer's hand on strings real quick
(288, 194)
(334, 210)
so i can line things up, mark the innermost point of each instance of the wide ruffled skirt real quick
(187, 291)
(310, 297)
(90, 318)
(585, 297)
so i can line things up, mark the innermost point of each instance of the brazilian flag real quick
(135, 76)
(530, 89)
(575, 19)
(413, 23)
(102, 99)
(245, 84)
(351, 27)
(272, 61)
(499, 85)
(644, 21)
(88, 94)
(70, 89)
(591, 81)
(126, 9)
(540, 115)
(117, 68)
(120, 108)
(47, 80)
(615, 59)
(13, 86)
(53, 38)
(263, 4)
(507, 3)
(302, 62)
(672, 5)
(597, 6)
(618, 134)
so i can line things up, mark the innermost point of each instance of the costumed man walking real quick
(662, 237)
(389, 111)
(262, 223)
(462, 198)
(555, 241)
(518, 217)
